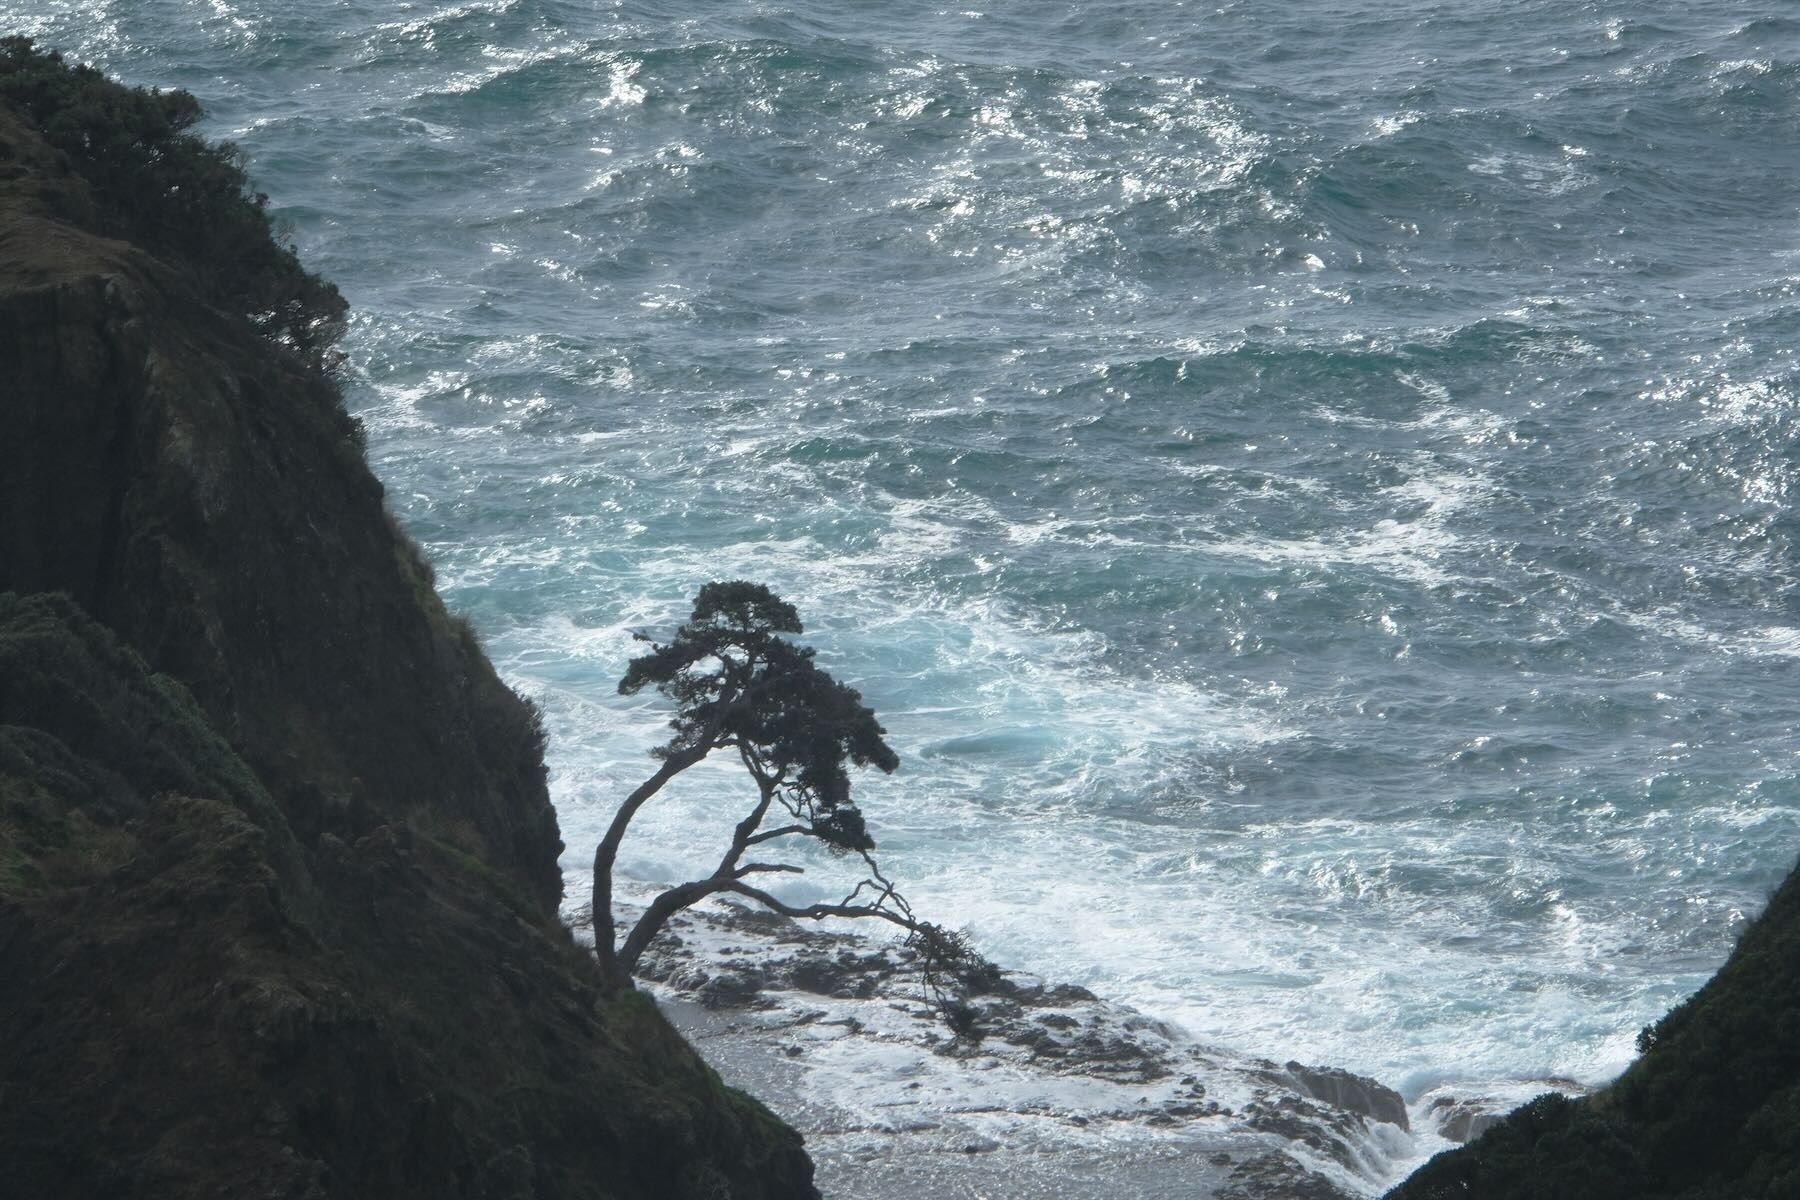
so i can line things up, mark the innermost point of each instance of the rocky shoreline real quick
(1055, 1092)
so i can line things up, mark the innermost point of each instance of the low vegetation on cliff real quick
(278, 868)
(1710, 1111)
(177, 195)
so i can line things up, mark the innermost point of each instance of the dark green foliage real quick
(90, 741)
(389, 1014)
(200, 493)
(83, 713)
(1711, 1111)
(177, 195)
(739, 684)
(737, 681)
(1547, 1150)
(286, 927)
(843, 829)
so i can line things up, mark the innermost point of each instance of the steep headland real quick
(278, 876)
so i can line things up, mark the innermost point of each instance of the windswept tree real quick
(742, 687)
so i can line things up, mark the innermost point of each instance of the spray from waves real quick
(1031, 758)
(1044, 783)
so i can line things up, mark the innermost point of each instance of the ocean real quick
(1308, 488)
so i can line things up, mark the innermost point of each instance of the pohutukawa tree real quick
(742, 687)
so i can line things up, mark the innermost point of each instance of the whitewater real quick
(1307, 488)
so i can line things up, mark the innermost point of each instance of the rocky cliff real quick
(278, 869)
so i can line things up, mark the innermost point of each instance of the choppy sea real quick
(1308, 487)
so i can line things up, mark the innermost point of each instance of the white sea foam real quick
(1551, 177)
(1388, 126)
(876, 1087)
(1150, 687)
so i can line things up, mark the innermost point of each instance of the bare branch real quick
(816, 912)
(769, 835)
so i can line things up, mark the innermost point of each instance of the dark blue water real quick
(1308, 487)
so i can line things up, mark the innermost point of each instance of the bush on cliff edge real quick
(174, 193)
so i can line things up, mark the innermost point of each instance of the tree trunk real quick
(612, 976)
(678, 898)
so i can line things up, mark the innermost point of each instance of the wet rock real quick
(1465, 1120)
(846, 976)
(1117, 1067)
(731, 989)
(1328, 1130)
(1354, 1093)
(1276, 1177)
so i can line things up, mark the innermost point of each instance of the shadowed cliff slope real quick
(277, 865)
(200, 490)
(1710, 1111)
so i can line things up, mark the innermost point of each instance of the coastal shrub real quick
(185, 199)
(1711, 1111)
(741, 686)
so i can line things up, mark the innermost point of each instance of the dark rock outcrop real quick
(1354, 1093)
(202, 492)
(277, 867)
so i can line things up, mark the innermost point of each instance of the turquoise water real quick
(1308, 487)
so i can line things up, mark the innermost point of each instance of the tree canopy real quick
(740, 684)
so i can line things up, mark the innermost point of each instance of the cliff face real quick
(277, 865)
(1710, 1111)
(203, 494)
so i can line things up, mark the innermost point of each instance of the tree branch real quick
(740, 685)
(817, 912)
(769, 835)
(607, 852)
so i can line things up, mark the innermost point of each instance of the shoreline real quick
(1065, 1091)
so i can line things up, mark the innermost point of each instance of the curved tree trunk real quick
(605, 931)
(675, 899)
